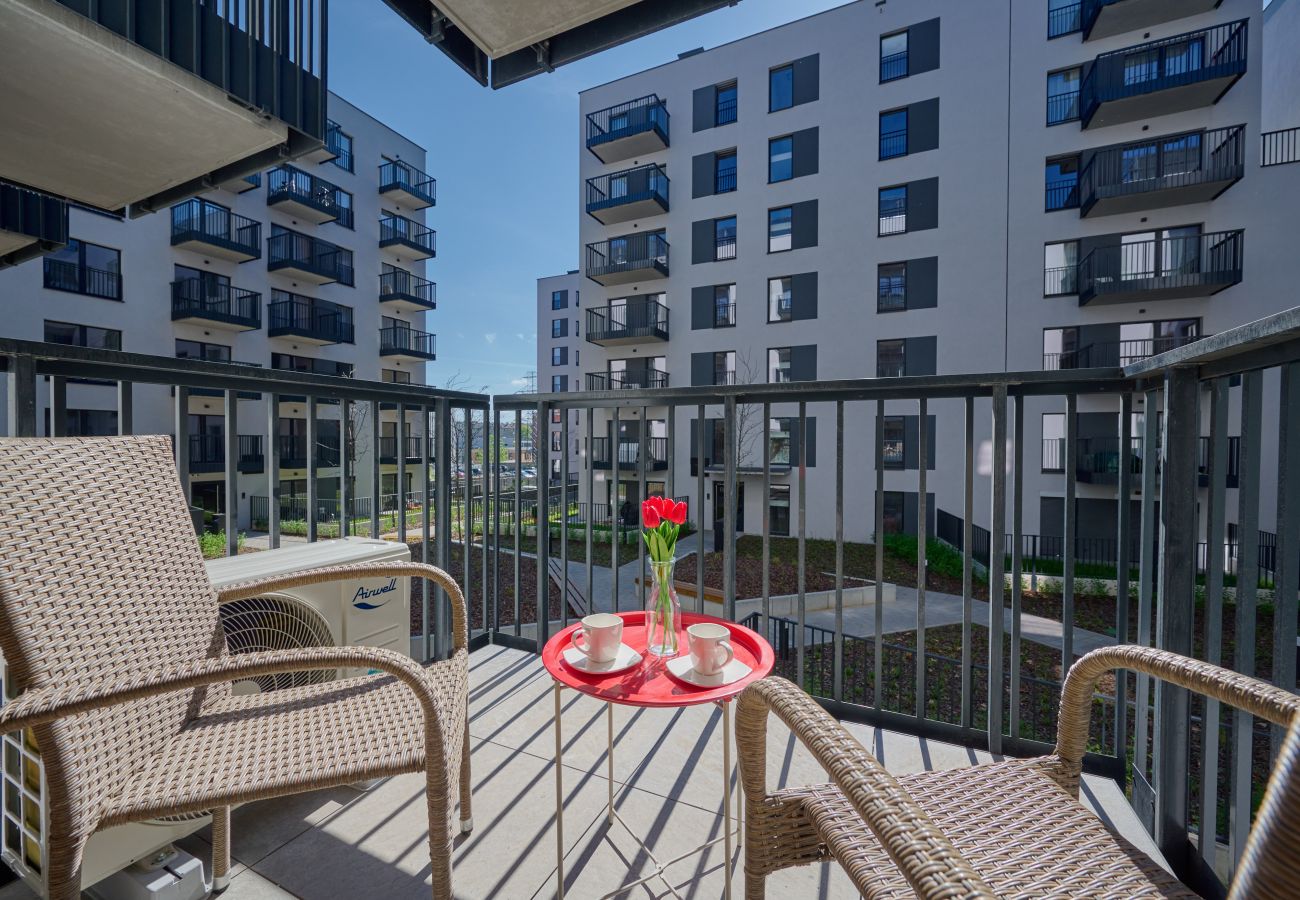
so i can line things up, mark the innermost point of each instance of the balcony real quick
(632, 257)
(208, 454)
(629, 454)
(212, 230)
(388, 450)
(308, 258)
(309, 319)
(335, 146)
(252, 458)
(630, 129)
(1113, 354)
(66, 275)
(407, 291)
(1160, 269)
(629, 322)
(205, 301)
(1190, 71)
(31, 223)
(403, 183)
(630, 194)
(293, 451)
(1167, 171)
(407, 344)
(150, 102)
(307, 197)
(399, 231)
(241, 184)
(629, 379)
(1107, 18)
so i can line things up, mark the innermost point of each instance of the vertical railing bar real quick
(232, 472)
(58, 426)
(922, 534)
(564, 517)
(375, 481)
(492, 603)
(442, 524)
(801, 650)
(518, 516)
(699, 497)
(767, 518)
(642, 444)
(614, 509)
(489, 496)
(428, 632)
(182, 425)
(1070, 529)
(312, 465)
(879, 541)
(1017, 548)
(1215, 525)
(542, 449)
(401, 475)
(347, 444)
(272, 463)
(670, 479)
(1248, 477)
(729, 450)
(467, 512)
(1288, 540)
(22, 405)
(967, 562)
(590, 416)
(997, 565)
(1146, 572)
(837, 689)
(125, 408)
(1124, 530)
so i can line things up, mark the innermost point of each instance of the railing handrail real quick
(402, 281)
(1279, 147)
(1212, 163)
(394, 172)
(656, 185)
(655, 109)
(1209, 256)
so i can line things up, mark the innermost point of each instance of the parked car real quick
(529, 472)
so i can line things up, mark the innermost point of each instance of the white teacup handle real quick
(581, 632)
(725, 646)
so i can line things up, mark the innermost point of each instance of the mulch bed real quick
(505, 579)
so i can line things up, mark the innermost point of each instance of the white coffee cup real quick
(710, 649)
(603, 633)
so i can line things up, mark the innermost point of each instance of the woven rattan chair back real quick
(100, 576)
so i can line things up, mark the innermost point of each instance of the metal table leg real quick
(559, 799)
(610, 756)
(726, 795)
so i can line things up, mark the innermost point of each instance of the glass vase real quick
(663, 613)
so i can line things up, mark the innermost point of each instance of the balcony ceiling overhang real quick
(504, 41)
(88, 115)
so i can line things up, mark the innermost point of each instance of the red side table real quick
(649, 685)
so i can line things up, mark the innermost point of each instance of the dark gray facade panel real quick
(803, 296)
(704, 173)
(702, 241)
(807, 79)
(923, 204)
(922, 355)
(702, 307)
(923, 126)
(704, 108)
(923, 47)
(923, 283)
(701, 373)
(803, 362)
(911, 443)
(805, 145)
(909, 512)
(803, 224)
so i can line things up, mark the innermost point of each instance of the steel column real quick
(997, 564)
(232, 473)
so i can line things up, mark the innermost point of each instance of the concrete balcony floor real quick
(667, 769)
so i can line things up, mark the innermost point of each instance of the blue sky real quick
(507, 167)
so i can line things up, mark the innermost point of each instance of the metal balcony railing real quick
(388, 448)
(629, 379)
(400, 231)
(205, 298)
(633, 253)
(292, 315)
(203, 222)
(400, 177)
(629, 187)
(287, 183)
(292, 250)
(64, 275)
(1109, 354)
(626, 321)
(1279, 147)
(629, 453)
(1063, 20)
(645, 114)
(1172, 163)
(1173, 265)
(893, 65)
(409, 287)
(398, 341)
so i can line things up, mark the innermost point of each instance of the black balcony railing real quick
(65, 275)
(407, 286)
(1062, 107)
(724, 315)
(633, 253)
(294, 251)
(629, 453)
(396, 176)
(1191, 265)
(893, 65)
(339, 146)
(628, 379)
(1214, 159)
(641, 185)
(388, 449)
(893, 143)
(1110, 354)
(287, 184)
(1063, 20)
(645, 114)
(39, 216)
(292, 315)
(207, 453)
(1059, 280)
(400, 231)
(205, 298)
(398, 341)
(628, 320)
(1278, 147)
(202, 222)
(724, 181)
(1180, 61)
(251, 456)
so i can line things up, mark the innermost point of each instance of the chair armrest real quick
(1259, 698)
(459, 613)
(926, 858)
(46, 704)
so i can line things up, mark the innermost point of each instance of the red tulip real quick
(650, 515)
(678, 513)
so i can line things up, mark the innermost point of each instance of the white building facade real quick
(559, 363)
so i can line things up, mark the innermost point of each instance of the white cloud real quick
(490, 337)
(518, 382)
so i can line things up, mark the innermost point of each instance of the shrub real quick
(213, 544)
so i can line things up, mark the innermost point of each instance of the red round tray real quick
(649, 684)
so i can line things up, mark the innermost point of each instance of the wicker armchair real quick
(109, 626)
(1006, 829)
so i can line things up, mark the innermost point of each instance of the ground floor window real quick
(894, 516)
(778, 510)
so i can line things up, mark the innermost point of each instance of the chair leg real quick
(220, 849)
(466, 807)
(435, 792)
(64, 872)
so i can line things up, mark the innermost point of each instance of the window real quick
(87, 422)
(778, 365)
(343, 206)
(780, 87)
(724, 367)
(779, 300)
(891, 287)
(1061, 183)
(893, 56)
(892, 513)
(559, 299)
(313, 365)
(559, 328)
(893, 133)
(893, 210)
(891, 359)
(724, 238)
(341, 143)
(1060, 268)
(202, 350)
(780, 159)
(556, 417)
(724, 172)
(1053, 459)
(559, 384)
(555, 442)
(85, 268)
(892, 437)
(779, 223)
(559, 356)
(1062, 96)
(1160, 254)
(725, 112)
(724, 305)
(76, 335)
(1062, 17)
(778, 510)
(779, 432)
(392, 376)
(1061, 350)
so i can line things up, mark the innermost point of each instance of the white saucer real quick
(626, 659)
(682, 669)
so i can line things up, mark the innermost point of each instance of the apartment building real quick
(318, 265)
(559, 362)
(916, 188)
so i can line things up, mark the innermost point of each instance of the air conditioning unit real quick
(373, 612)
